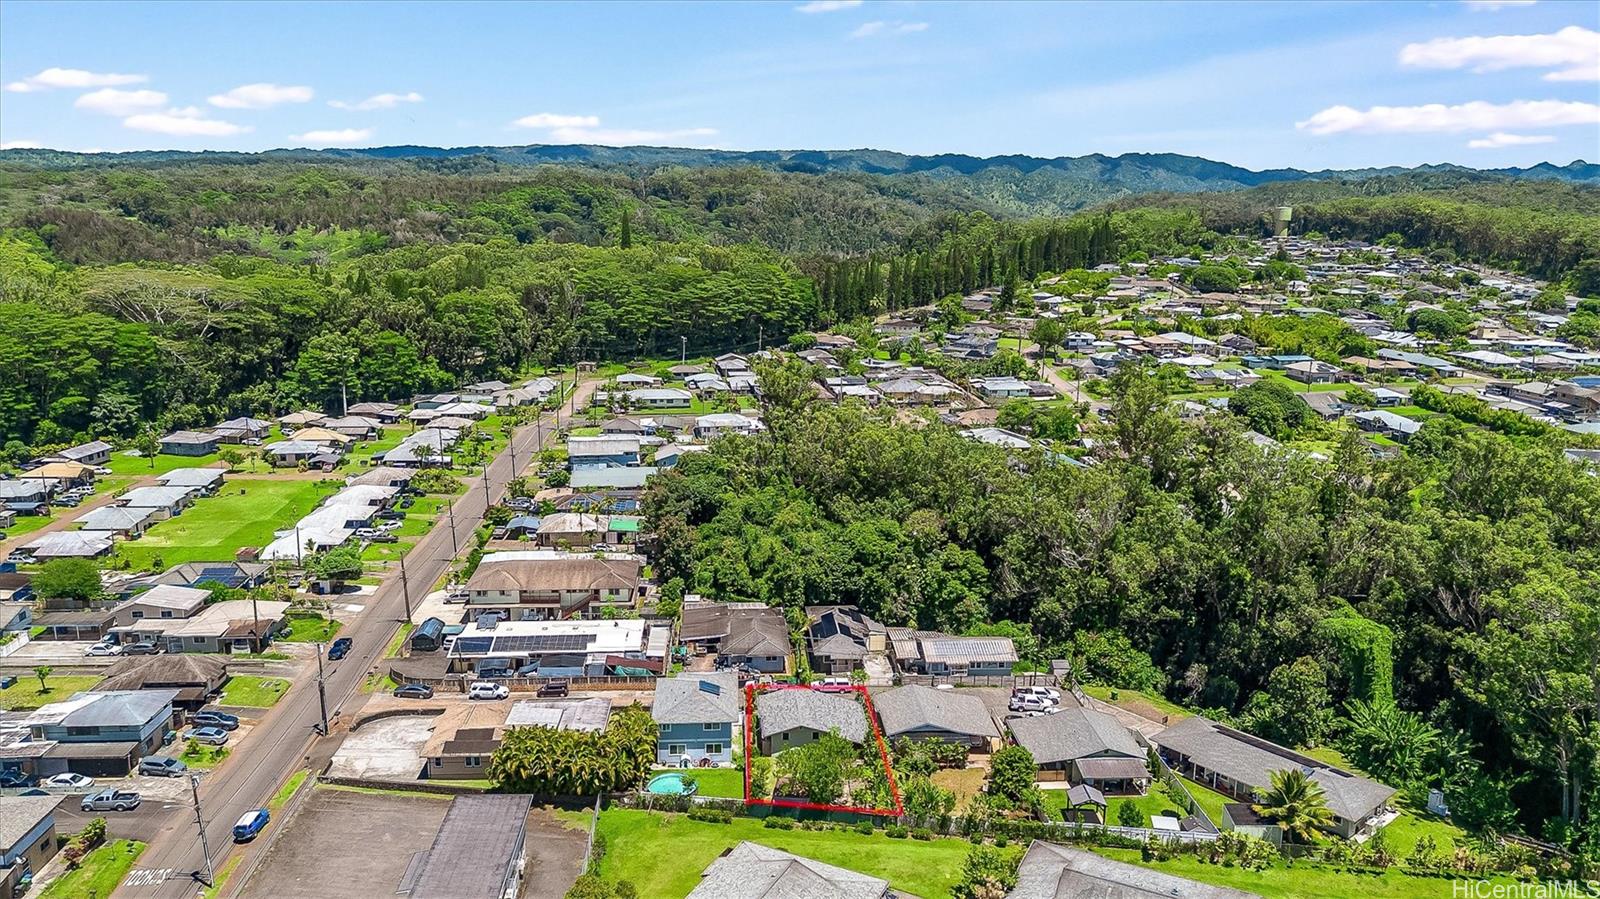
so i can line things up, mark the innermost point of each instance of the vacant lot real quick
(342, 843)
(25, 693)
(249, 690)
(244, 513)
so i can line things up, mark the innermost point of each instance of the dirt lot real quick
(347, 845)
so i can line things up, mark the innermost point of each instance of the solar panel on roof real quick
(542, 643)
(227, 576)
(709, 687)
(475, 645)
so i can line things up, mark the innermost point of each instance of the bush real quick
(922, 833)
(776, 822)
(864, 828)
(711, 815)
(1128, 815)
(896, 831)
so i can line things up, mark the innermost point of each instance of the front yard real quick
(254, 692)
(202, 756)
(245, 512)
(99, 874)
(309, 627)
(25, 693)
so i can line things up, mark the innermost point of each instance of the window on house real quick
(713, 749)
(474, 761)
(664, 727)
(137, 614)
(166, 613)
(711, 725)
(676, 749)
(438, 763)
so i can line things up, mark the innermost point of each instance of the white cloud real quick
(20, 145)
(378, 101)
(1502, 139)
(333, 136)
(816, 6)
(620, 137)
(111, 101)
(1495, 5)
(186, 121)
(1435, 118)
(886, 29)
(556, 120)
(71, 78)
(1573, 53)
(261, 96)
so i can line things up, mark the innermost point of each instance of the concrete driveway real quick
(387, 749)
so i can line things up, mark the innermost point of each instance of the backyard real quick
(1144, 705)
(202, 756)
(25, 693)
(727, 783)
(246, 512)
(1303, 881)
(253, 692)
(309, 627)
(99, 873)
(663, 855)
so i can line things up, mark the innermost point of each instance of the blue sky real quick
(1309, 85)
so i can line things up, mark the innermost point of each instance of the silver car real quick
(111, 801)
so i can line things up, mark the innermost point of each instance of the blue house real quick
(603, 452)
(102, 734)
(695, 715)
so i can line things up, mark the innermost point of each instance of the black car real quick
(391, 515)
(17, 778)
(414, 691)
(215, 719)
(339, 649)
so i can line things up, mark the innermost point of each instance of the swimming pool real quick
(670, 785)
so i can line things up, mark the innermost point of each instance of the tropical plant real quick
(1392, 745)
(1297, 803)
(551, 762)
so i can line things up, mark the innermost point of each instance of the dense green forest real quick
(1433, 614)
(181, 291)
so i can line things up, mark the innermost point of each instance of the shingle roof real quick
(1251, 760)
(21, 814)
(786, 709)
(474, 854)
(1050, 871)
(905, 709)
(107, 709)
(683, 700)
(1072, 734)
(753, 871)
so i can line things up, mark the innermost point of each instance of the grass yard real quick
(140, 466)
(1142, 704)
(288, 789)
(1210, 800)
(254, 692)
(392, 651)
(361, 456)
(309, 627)
(25, 693)
(964, 782)
(1303, 881)
(378, 683)
(1331, 756)
(27, 524)
(1156, 802)
(1403, 832)
(724, 782)
(202, 756)
(663, 855)
(99, 873)
(245, 513)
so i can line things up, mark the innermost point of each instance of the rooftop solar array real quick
(226, 575)
(542, 643)
(473, 645)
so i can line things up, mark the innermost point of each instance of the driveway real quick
(388, 749)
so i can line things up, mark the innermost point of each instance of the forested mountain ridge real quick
(1018, 184)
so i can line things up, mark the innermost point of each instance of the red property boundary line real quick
(750, 691)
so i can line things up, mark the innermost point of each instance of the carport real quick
(93, 759)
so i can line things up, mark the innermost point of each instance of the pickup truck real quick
(111, 801)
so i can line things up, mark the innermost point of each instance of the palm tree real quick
(1297, 803)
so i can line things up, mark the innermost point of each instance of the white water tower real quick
(1281, 225)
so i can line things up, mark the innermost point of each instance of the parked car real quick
(16, 777)
(250, 824)
(251, 441)
(162, 766)
(406, 503)
(391, 515)
(213, 718)
(339, 649)
(832, 684)
(486, 690)
(214, 736)
(141, 649)
(1049, 693)
(104, 649)
(414, 691)
(383, 537)
(365, 533)
(21, 557)
(111, 801)
(1030, 704)
(552, 689)
(102, 470)
(70, 781)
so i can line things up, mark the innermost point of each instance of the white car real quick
(366, 532)
(1031, 704)
(70, 781)
(1050, 693)
(104, 649)
(486, 690)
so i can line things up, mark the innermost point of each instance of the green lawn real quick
(202, 756)
(1156, 802)
(1331, 756)
(139, 466)
(361, 456)
(99, 873)
(286, 791)
(310, 628)
(255, 692)
(393, 649)
(1303, 881)
(1403, 833)
(27, 524)
(25, 693)
(663, 855)
(245, 513)
(1210, 800)
(1142, 704)
(724, 782)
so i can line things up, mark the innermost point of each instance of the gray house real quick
(695, 716)
(921, 713)
(96, 452)
(1088, 747)
(189, 443)
(102, 734)
(794, 716)
(1052, 871)
(752, 871)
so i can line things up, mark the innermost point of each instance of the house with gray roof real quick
(1238, 764)
(199, 480)
(795, 716)
(840, 638)
(27, 839)
(163, 502)
(752, 871)
(102, 733)
(189, 443)
(941, 655)
(1090, 747)
(695, 715)
(741, 634)
(68, 545)
(923, 713)
(95, 452)
(1053, 871)
(116, 521)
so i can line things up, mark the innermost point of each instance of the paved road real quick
(282, 741)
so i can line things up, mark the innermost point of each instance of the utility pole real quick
(344, 400)
(322, 692)
(683, 357)
(200, 822)
(450, 507)
(761, 337)
(405, 586)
